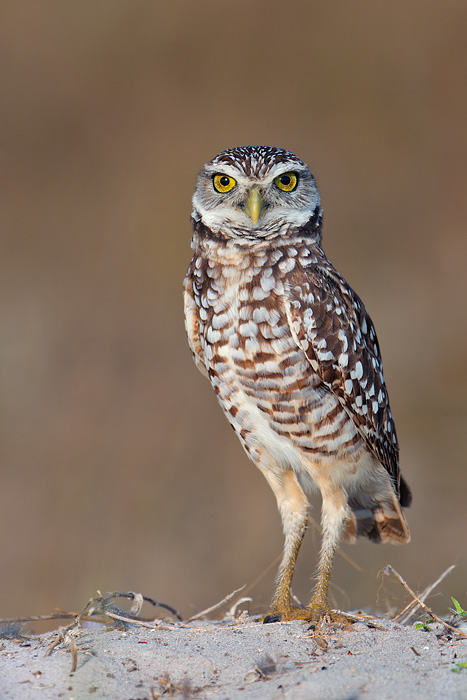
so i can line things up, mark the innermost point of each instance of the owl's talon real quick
(271, 618)
(328, 617)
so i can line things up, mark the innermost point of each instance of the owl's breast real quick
(266, 385)
(252, 360)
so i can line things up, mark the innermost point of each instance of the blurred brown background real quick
(118, 470)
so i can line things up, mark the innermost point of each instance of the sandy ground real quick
(239, 659)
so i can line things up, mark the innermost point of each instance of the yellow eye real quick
(223, 183)
(286, 182)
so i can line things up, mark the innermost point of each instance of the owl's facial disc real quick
(255, 192)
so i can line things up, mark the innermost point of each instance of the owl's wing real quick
(331, 325)
(192, 324)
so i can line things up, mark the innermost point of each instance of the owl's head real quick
(255, 193)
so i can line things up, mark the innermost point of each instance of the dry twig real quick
(100, 604)
(233, 610)
(227, 599)
(410, 609)
(389, 569)
(101, 608)
(135, 621)
(38, 618)
(71, 644)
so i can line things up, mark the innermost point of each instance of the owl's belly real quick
(272, 397)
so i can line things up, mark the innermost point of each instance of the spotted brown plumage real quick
(293, 357)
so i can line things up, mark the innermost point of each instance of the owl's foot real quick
(285, 613)
(314, 614)
(318, 615)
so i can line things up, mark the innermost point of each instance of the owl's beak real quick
(254, 204)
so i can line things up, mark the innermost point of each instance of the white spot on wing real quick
(212, 336)
(248, 330)
(267, 283)
(343, 359)
(261, 314)
(259, 294)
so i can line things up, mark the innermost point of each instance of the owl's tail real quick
(379, 516)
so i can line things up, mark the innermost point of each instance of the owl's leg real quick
(334, 513)
(293, 507)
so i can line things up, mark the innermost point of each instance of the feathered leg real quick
(335, 511)
(293, 507)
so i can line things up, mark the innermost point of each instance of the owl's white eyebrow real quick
(281, 169)
(224, 170)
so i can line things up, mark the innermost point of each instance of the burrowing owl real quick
(293, 357)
